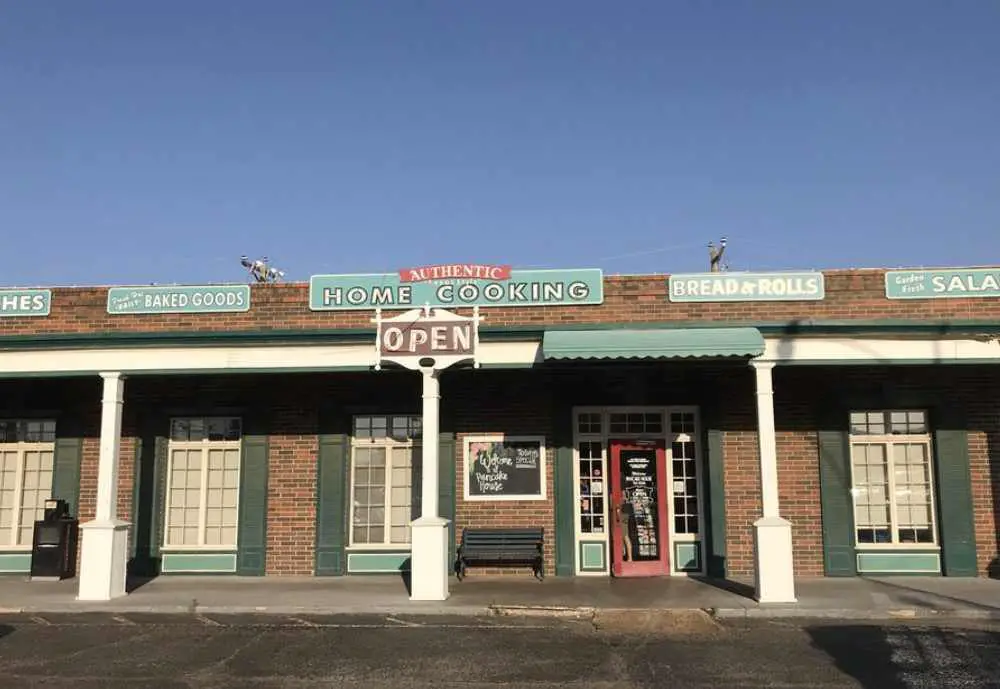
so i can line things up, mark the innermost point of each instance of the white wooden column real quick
(104, 554)
(774, 580)
(429, 533)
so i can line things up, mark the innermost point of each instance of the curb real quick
(853, 614)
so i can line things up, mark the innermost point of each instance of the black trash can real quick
(53, 548)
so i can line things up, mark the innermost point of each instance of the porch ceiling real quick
(652, 344)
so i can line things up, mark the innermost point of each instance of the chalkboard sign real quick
(504, 468)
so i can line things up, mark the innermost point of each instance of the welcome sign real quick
(179, 299)
(708, 287)
(942, 284)
(519, 288)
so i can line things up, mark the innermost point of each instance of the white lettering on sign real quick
(427, 338)
(380, 296)
(22, 302)
(966, 283)
(204, 299)
(746, 287)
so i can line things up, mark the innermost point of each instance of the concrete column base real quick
(774, 577)
(429, 559)
(103, 560)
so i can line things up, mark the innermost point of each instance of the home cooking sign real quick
(456, 285)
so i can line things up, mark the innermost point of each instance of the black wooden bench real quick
(501, 547)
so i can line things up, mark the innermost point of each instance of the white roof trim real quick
(878, 350)
(235, 359)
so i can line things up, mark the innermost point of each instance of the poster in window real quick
(504, 468)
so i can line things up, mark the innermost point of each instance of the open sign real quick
(426, 338)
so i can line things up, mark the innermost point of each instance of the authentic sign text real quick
(25, 302)
(706, 287)
(452, 271)
(942, 284)
(179, 299)
(523, 288)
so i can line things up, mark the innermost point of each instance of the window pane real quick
(196, 429)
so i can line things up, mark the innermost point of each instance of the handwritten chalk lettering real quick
(505, 468)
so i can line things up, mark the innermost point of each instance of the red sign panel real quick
(455, 271)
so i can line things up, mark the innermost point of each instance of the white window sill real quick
(931, 547)
(362, 547)
(198, 548)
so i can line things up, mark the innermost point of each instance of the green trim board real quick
(652, 344)
(377, 562)
(215, 338)
(687, 556)
(192, 563)
(892, 562)
(593, 556)
(15, 563)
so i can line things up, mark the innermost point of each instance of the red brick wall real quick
(508, 403)
(850, 294)
(291, 492)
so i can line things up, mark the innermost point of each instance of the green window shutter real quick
(158, 511)
(956, 524)
(252, 540)
(716, 507)
(562, 476)
(562, 488)
(331, 504)
(446, 487)
(66, 472)
(835, 504)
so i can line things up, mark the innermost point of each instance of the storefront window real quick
(385, 454)
(592, 487)
(203, 481)
(891, 477)
(27, 452)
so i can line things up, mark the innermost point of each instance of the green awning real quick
(652, 344)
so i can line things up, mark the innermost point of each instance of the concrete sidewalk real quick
(848, 598)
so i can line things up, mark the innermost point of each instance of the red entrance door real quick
(638, 508)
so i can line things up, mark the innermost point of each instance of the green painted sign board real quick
(523, 288)
(25, 302)
(778, 286)
(179, 299)
(959, 283)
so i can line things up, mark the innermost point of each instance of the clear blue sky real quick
(157, 141)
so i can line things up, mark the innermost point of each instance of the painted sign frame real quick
(808, 285)
(39, 301)
(938, 283)
(486, 438)
(370, 291)
(134, 300)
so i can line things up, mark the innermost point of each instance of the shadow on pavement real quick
(736, 587)
(904, 656)
(5, 630)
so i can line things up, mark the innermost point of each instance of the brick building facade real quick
(886, 430)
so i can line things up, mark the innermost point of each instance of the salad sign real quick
(499, 468)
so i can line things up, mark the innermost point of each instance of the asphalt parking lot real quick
(628, 650)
